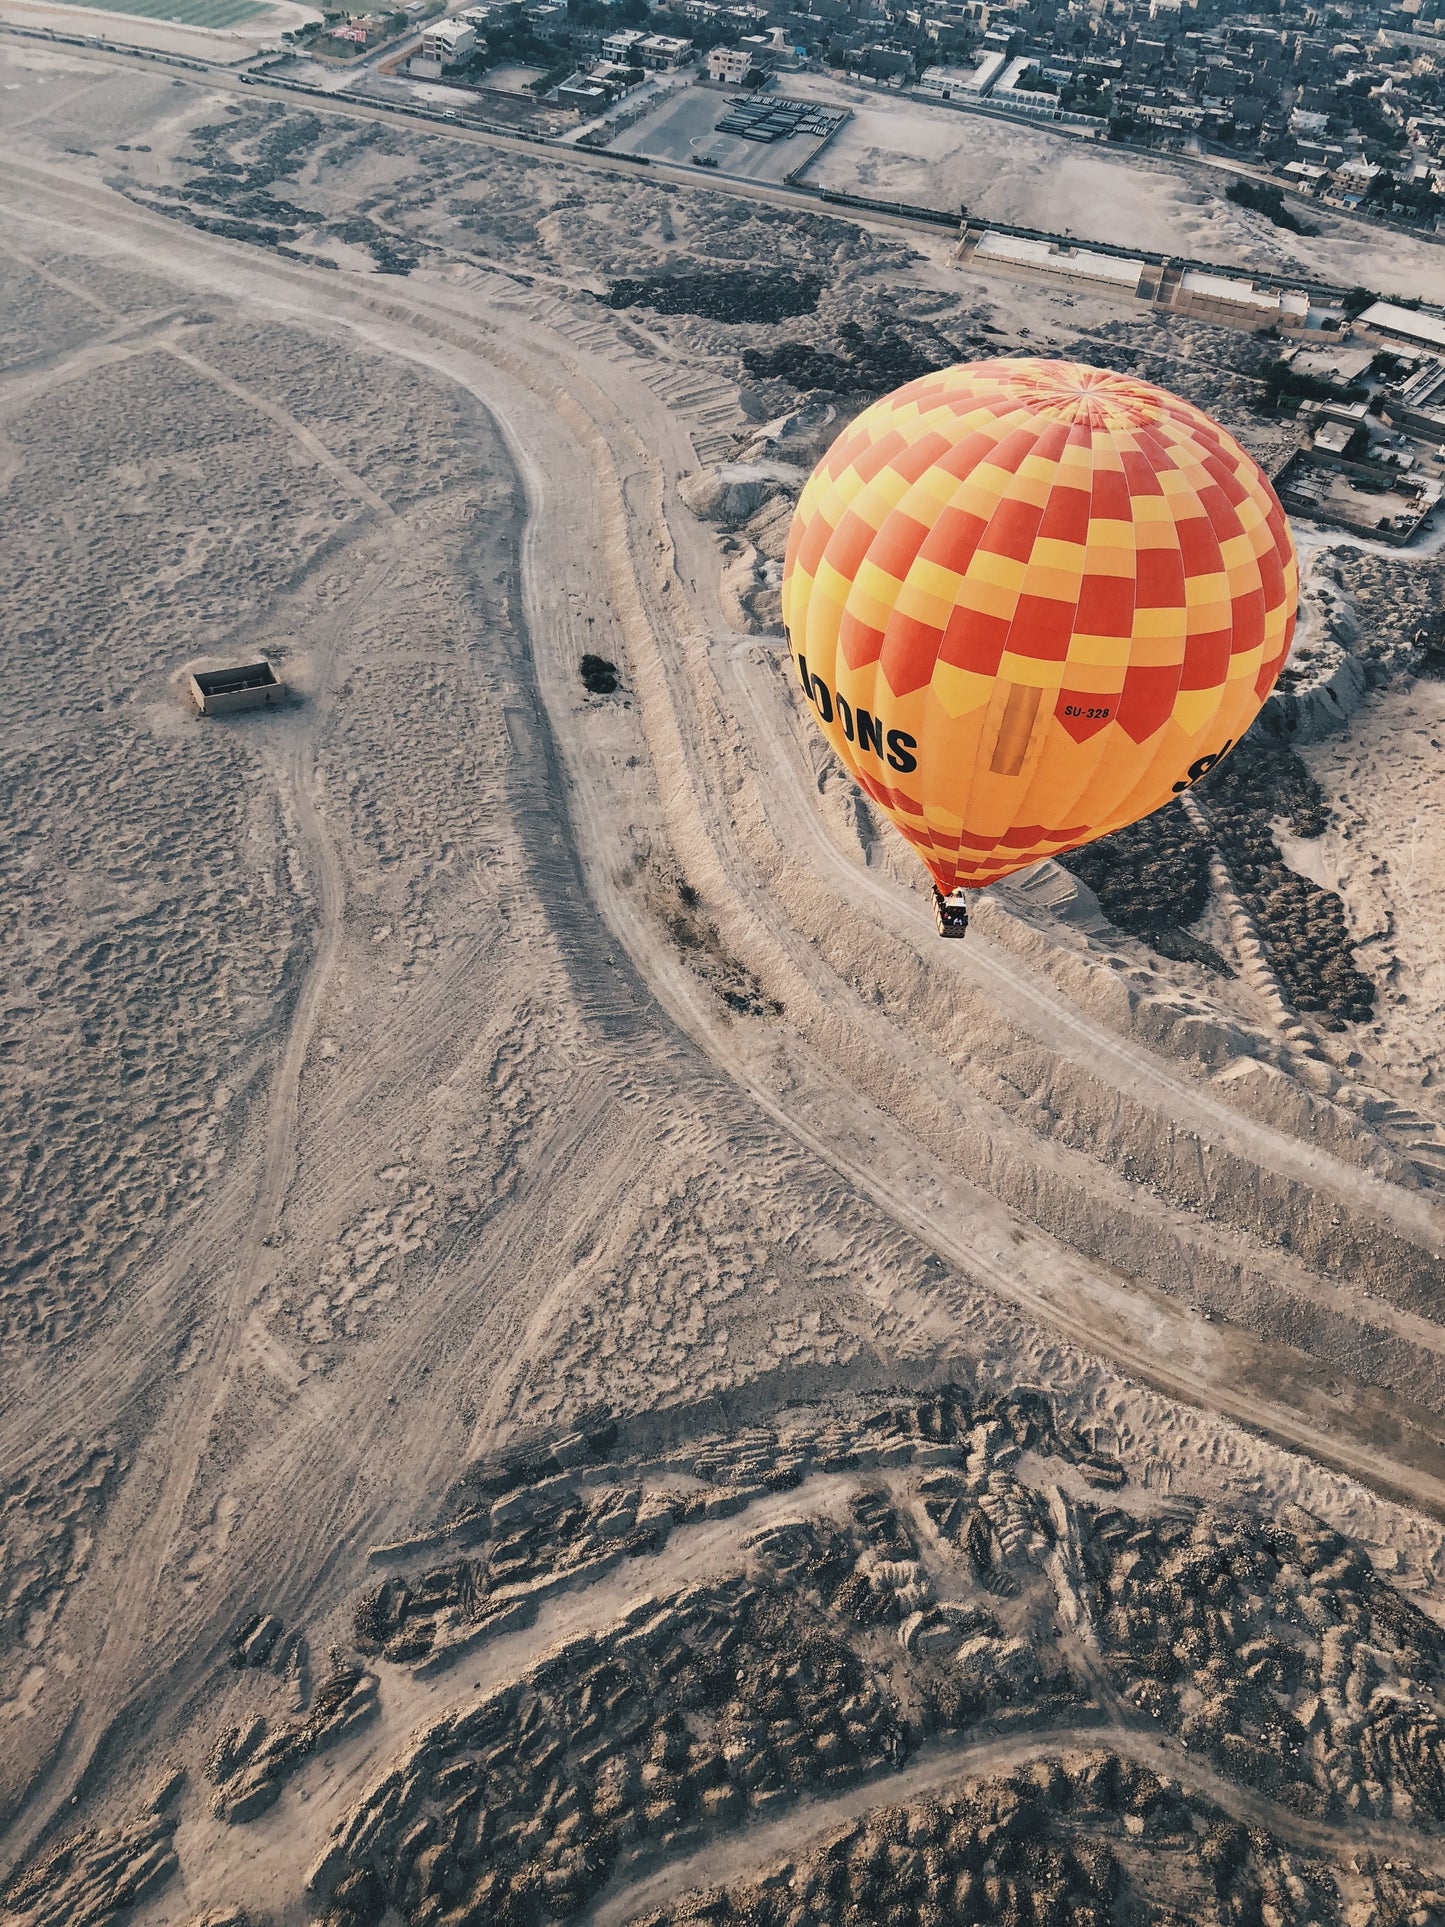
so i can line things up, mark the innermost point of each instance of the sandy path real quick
(940, 1769)
(174, 1452)
(1034, 1004)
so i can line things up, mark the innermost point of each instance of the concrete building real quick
(251, 685)
(617, 47)
(661, 50)
(1394, 327)
(729, 64)
(1233, 303)
(1419, 405)
(588, 96)
(884, 61)
(1223, 299)
(1340, 365)
(1078, 267)
(549, 21)
(962, 83)
(449, 42)
(1332, 438)
(947, 82)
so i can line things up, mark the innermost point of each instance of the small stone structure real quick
(250, 685)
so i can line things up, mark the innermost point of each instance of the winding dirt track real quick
(940, 1770)
(598, 455)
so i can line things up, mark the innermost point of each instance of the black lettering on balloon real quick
(860, 725)
(1201, 766)
(900, 750)
(816, 690)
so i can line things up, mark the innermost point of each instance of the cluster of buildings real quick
(1366, 383)
(1373, 454)
(356, 31)
(1343, 102)
(610, 56)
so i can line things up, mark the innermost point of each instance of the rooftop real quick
(1220, 287)
(1387, 318)
(1015, 250)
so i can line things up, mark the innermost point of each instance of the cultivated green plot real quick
(184, 13)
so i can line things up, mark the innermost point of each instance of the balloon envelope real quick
(1029, 602)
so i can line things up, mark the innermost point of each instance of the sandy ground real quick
(402, 1119)
(228, 45)
(1007, 170)
(1383, 852)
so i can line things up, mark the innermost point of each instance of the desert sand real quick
(462, 1127)
(1007, 170)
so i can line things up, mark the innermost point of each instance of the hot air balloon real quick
(1029, 602)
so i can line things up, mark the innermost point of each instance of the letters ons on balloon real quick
(860, 727)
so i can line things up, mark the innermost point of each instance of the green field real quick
(185, 13)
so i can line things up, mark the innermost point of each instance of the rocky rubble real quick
(238, 164)
(571, 1515)
(1303, 926)
(1077, 1841)
(987, 1571)
(249, 1765)
(98, 1876)
(863, 363)
(1273, 1647)
(1152, 879)
(928, 1574)
(688, 1714)
(738, 295)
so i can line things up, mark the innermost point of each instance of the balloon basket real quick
(950, 913)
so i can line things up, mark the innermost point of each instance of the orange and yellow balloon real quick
(1031, 601)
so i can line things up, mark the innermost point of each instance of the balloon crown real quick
(1070, 391)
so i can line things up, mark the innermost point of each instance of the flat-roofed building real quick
(247, 685)
(661, 50)
(962, 83)
(618, 46)
(1081, 267)
(1233, 303)
(1419, 404)
(1387, 322)
(731, 64)
(588, 96)
(449, 41)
